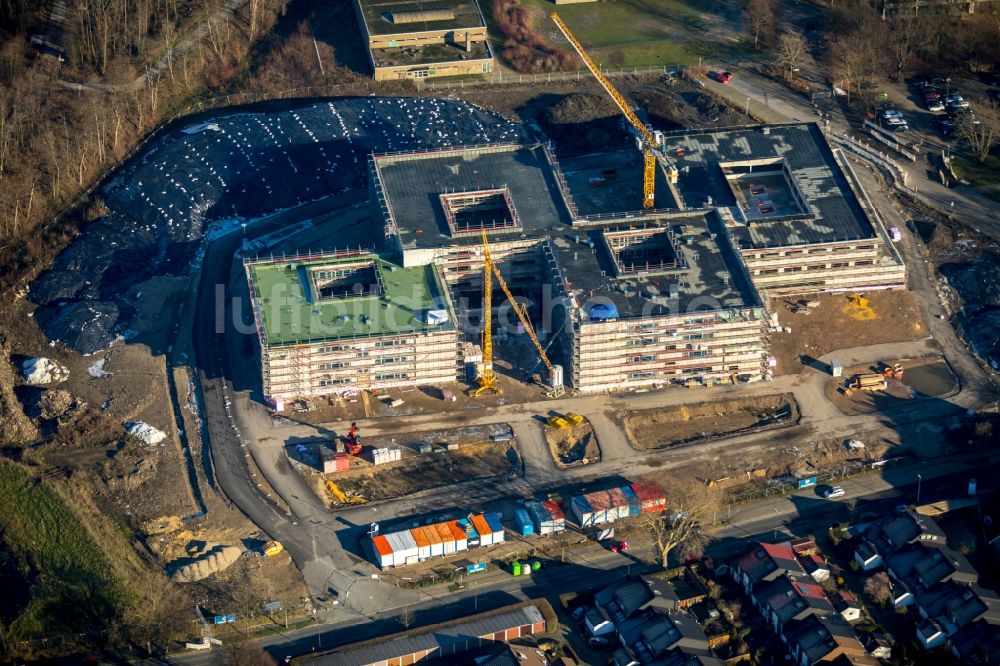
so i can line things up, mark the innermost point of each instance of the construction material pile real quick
(242, 165)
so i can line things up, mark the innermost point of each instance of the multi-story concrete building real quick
(334, 322)
(415, 39)
(620, 299)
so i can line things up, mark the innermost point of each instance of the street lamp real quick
(920, 481)
(746, 111)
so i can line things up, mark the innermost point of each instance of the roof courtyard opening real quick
(345, 281)
(471, 213)
(650, 250)
(764, 189)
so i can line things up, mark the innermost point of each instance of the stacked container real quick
(395, 549)
(556, 515)
(651, 497)
(525, 526)
(385, 455)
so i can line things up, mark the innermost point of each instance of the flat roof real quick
(413, 182)
(466, 15)
(709, 275)
(835, 213)
(290, 314)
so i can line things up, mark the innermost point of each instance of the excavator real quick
(649, 142)
(487, 380)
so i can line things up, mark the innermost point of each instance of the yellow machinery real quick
(487, 380)
(339, 495)
(648, 140)
(272, 548)
(558, 422)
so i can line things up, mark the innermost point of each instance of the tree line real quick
(64, 123)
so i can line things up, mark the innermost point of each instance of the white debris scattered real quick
(97, 369)
(145, 432)
(40, 370)
(201, 127)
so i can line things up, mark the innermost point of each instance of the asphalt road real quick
(591, 566)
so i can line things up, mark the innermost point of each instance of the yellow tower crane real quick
(487, 380)
(649, 144)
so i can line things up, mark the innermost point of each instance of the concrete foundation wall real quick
(402, 38)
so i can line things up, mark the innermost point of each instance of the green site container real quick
(516, 568)
(536, 565)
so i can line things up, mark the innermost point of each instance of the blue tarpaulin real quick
(603, 311)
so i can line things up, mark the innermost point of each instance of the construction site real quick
(611, 301)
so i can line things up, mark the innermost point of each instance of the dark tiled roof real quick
(404, 645)
(978, 644)
(900, 530)
(632, 596)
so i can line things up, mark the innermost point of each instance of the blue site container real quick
(525, 527)
(493, 520)
(634, 505)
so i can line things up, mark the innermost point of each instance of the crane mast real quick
(648, 139)
(488, 380)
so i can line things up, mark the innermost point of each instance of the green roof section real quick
(377, 12)
(291, 314)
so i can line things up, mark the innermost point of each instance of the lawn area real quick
(985, 177)
(72, 585)
(641, 33)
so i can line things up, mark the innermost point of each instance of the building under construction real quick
(619, 299)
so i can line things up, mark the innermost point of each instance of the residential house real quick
(977, 644)
(650, 634)
(846, 605)
(901, 594)
(926, 567)
(815, 565)
(815, 639)
(765, 562)
(868, 556)
(930, 634)
(786, 599)
(877, 645)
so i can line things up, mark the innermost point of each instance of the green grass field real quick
(640, 33)
(72, 587)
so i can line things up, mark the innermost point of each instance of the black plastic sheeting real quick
(244, 165)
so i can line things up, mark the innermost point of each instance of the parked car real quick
(721, 77)
(895, 124)
(578, 613)
(890, 113)
(945, 125)
(833, 492)
(930, 92)
(958, 104)
(599, 642)
(935, 105)
(619, 546)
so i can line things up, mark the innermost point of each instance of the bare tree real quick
(879, 588)
(980, 128)
(406, 617)
(854, 60)
(792, 47)
(904, 36)
(691, 506)
(761, 20)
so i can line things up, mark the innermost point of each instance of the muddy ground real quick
(689, 424)
(891, 316)
(429, 470)
(922, 378)
(576, 445)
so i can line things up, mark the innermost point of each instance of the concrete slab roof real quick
(376, 13)
(835, 214)
(413, 183)
(709, 275)
(291, 314)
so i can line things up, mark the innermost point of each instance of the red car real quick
(619, 546)
(724, 77)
